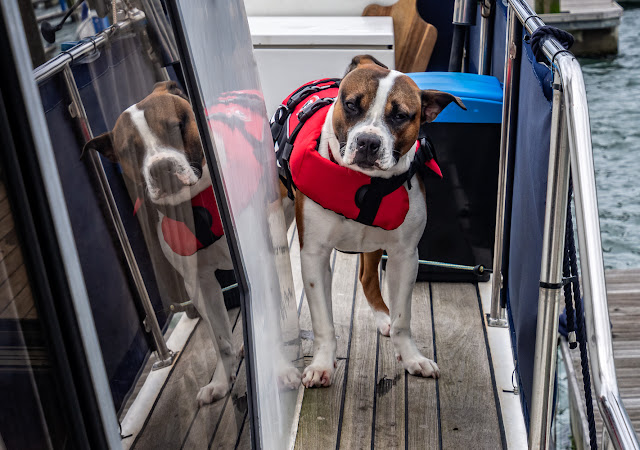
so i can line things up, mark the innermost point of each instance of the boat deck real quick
(623, 294)
(372, 402)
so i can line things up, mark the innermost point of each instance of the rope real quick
(566, 273)
(541, 34)
(572, 263)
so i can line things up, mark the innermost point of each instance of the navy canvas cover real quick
(528, 195)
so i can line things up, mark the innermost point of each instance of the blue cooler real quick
(461, 208)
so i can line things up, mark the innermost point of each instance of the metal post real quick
(507, 140)
(544, 365)
(165, 356)
(484, 55)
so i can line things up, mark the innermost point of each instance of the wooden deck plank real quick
(389, 432)
(233, 415)
(468, 412)
(244, 443)
(205, 420)
(422, 400)
(171, 421)
(16, 283)
(623, 295)
(389, 420)
(320, 412)
(361, 379)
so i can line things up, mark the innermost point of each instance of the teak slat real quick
(320, 412)
(468, 413)
(422, 400)
(358, 402)
(204, 420)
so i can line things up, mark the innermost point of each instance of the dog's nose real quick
(368, 142)
(162, 170)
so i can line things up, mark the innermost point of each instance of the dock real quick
(593, 23)
(623, 293)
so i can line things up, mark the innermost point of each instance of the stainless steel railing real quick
(570, 142)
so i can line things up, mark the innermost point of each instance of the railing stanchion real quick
(497, 316)
(544, 363)
(165, 355)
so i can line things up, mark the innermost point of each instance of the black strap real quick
(369, 197)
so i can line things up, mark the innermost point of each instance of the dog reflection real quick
(157, 144)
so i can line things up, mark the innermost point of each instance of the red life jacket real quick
(296, 127)
(237, 119)
(207, 226)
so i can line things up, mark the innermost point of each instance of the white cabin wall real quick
(309, 7)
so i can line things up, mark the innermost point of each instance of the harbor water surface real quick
(613, 92)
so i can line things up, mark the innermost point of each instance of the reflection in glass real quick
(150, 240)
(31, 404)
(227, 82)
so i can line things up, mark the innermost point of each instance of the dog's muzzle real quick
(167, 176)
(367, 150)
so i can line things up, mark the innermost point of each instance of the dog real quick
(157, 144)
(371, 128)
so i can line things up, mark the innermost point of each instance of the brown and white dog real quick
(372, 128)
(157, 144)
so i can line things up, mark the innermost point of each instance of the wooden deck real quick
(16, 301)
(623, 293)
(175, 420)
(372, 402)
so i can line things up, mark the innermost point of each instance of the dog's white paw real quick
(318, 375)
(289, 378)
(420, 366)
(212, 392)
(383, 322)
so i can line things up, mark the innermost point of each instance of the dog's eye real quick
(400, 117)
(351, 107)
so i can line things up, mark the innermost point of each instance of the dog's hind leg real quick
(370, 281)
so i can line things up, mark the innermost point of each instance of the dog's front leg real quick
(402, 268)
(316, 275)
(209, 302)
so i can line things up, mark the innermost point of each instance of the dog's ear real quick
(103, 144)
(433, 102)
(362, 60)
(170, 87)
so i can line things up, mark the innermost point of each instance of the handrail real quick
(616, 419)
(56, 64)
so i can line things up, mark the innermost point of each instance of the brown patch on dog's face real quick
(402, 114)
(171, 119)
(362, 60)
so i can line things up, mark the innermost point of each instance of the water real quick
(613, 92)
